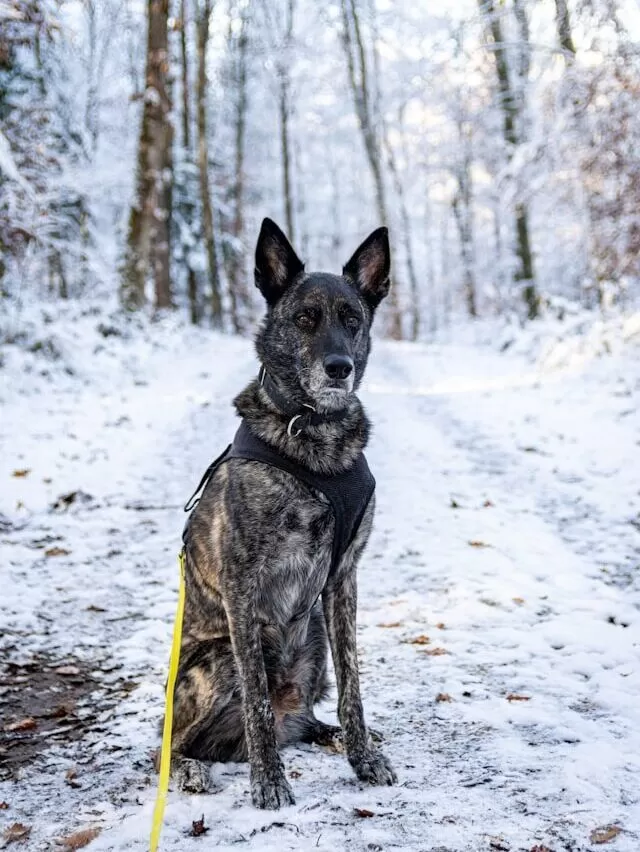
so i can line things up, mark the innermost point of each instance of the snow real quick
(506, 533)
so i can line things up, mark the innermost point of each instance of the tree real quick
(360, 84)
(148, 249)
(512, 89)
(237, 80)
(203, 16)
(42, 211)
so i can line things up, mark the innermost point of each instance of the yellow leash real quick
(165, 753)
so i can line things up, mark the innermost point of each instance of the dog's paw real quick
(375, 768)
(270, 790)
(192, 776)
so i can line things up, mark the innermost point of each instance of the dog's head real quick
(315, 337)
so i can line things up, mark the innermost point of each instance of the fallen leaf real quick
(20, 474)
(94, 608)
(27, 724)
(79, 839)
(391, 624)
(540, 849)
(67, 670)
(441, 625)
(57, 551)
(604, 834)
(443, 697)
(47, 480)
(434, 652)
(467, 694)
(364, 813)
(61, 711)
(488, 504)
(16, 832)
(198, 827)
(70, 777)
(518, 601)
(4, 806)
(513, 697)
(454, 504)
(295, 773)
(476, 543)
(419, 640)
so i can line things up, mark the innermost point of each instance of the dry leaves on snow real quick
(57, 551)
(419, 640)
(604, 834)
(391, 624)
(27, 724)
(512, 696)
(443, 697)
(363, 813)
(434, 652)
(16, 833)
(198, 828)
(78, 840)
(474, 542)
(71, 778)
(21, 472)
(4, 806)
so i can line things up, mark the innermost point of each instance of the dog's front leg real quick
(340, 604)
(269, 787)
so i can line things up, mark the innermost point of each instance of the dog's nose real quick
(338, 366)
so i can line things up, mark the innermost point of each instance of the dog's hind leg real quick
(208, 722)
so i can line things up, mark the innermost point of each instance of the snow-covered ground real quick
(498, 622)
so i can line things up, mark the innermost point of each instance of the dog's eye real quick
(306, 320)
(352, 322)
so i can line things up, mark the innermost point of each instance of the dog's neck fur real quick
(328, 448)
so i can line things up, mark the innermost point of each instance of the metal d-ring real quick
(290, 426)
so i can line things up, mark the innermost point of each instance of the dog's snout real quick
(338, 366)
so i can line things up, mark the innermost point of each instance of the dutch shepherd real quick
(272, 545)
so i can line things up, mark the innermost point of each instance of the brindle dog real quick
(259, 543)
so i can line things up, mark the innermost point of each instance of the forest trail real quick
(498, 629)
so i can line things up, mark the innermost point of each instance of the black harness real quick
(348, 493)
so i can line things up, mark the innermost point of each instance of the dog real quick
(265, 580)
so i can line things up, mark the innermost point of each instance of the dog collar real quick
(298, 420)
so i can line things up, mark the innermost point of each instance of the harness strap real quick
(193, 501)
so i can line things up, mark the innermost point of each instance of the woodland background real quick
(142, 143)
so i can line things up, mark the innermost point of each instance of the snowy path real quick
(496, 578)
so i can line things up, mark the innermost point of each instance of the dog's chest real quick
(298, 563)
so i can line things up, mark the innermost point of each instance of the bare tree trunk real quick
(91, 107)
(161, 234)
(284, 108)
(406, 239)
(511, 102)
(237, 278)
(192, 280)
(463, 212)
(563, 27)
(204, 14)
(147, 251)
(358, 72)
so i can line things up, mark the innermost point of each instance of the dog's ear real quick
(277, 264)
(369, 268)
